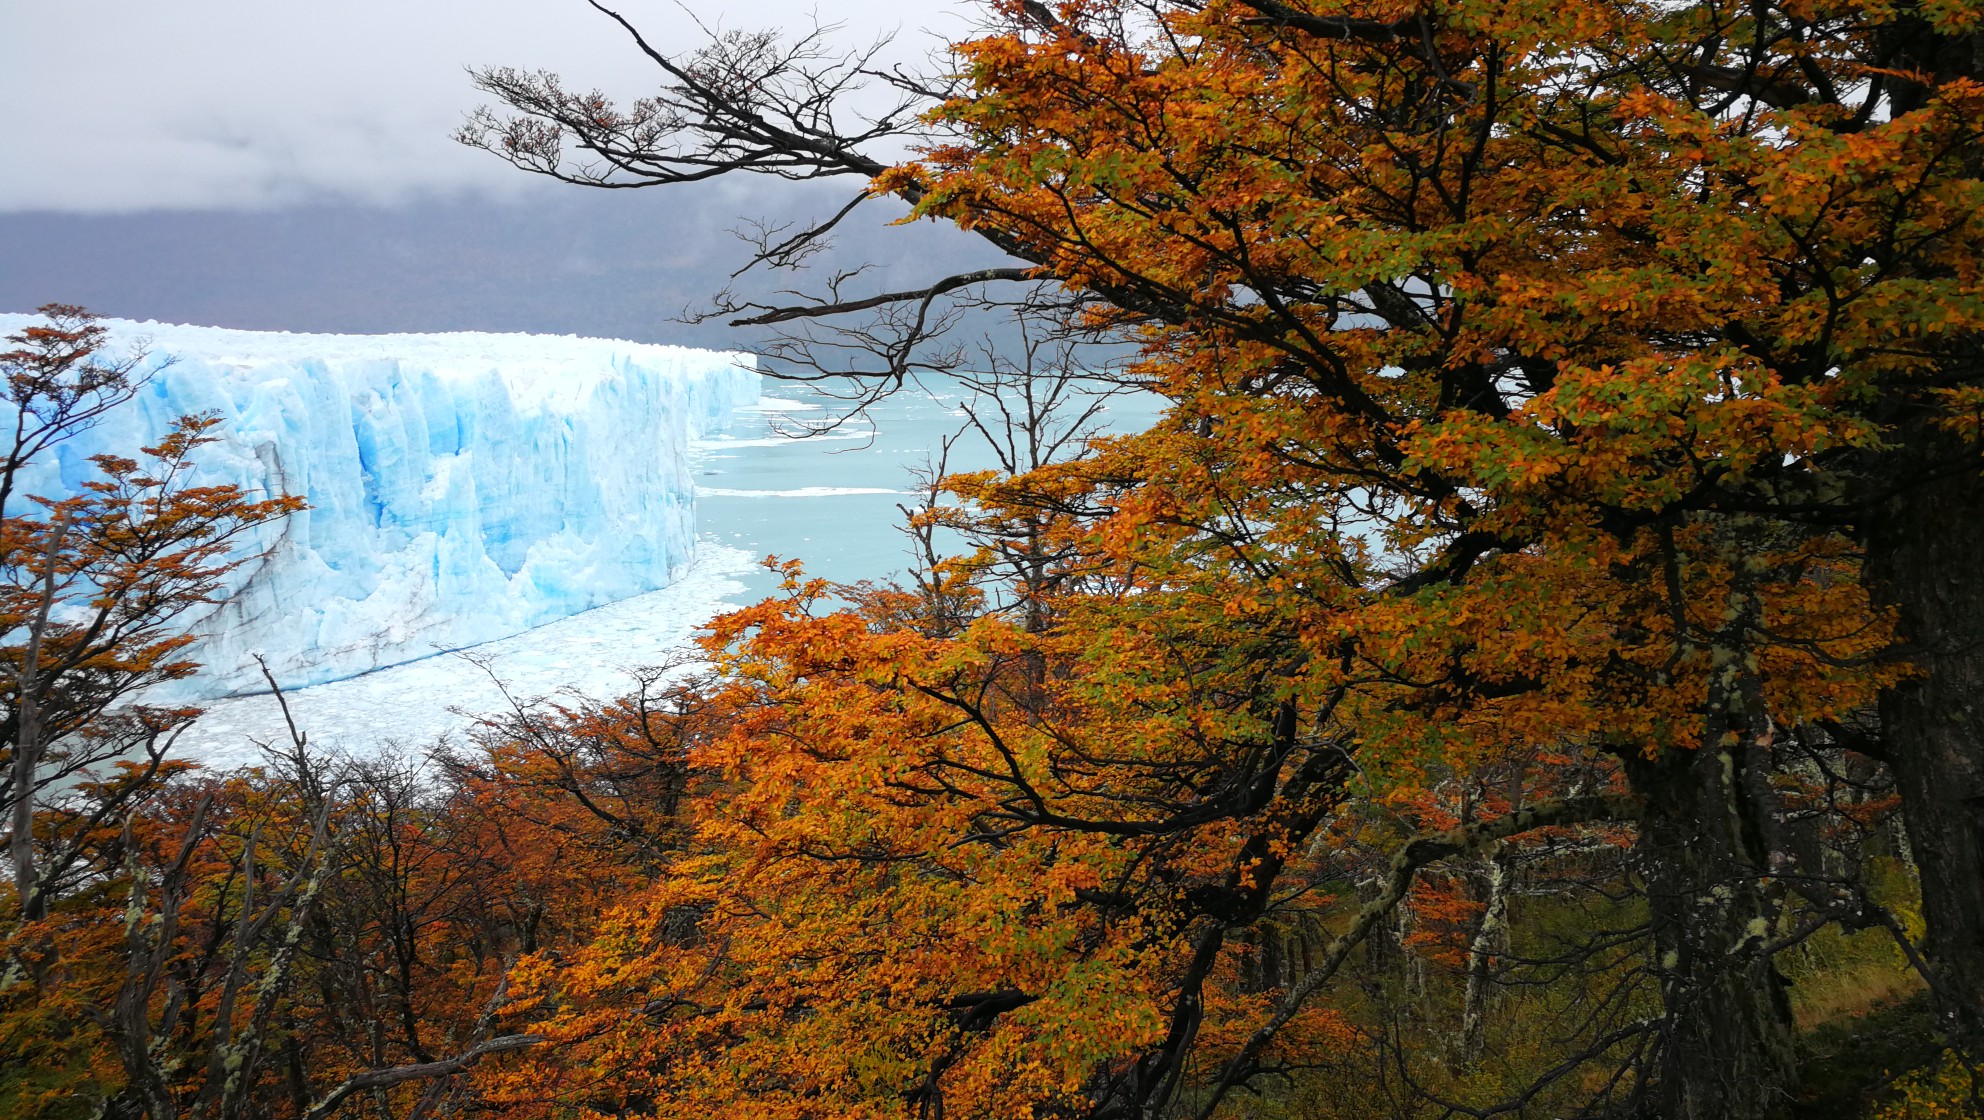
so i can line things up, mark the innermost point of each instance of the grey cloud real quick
(123, 105)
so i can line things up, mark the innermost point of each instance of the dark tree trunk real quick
(1726, 1049)
(1925, 559)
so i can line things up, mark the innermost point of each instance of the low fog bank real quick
(561, 260)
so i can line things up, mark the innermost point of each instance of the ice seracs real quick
(463, 487)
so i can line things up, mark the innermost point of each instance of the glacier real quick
(462, 487)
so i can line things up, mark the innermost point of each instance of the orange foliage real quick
(1516, 378)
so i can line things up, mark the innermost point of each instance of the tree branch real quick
(399, 1075)
(822, 310)
(1418, 853)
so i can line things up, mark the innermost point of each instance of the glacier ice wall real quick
(463, 487)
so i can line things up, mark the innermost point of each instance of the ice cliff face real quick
(463, 487)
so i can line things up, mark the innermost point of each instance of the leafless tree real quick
(790, 106)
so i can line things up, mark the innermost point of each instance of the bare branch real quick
(924, 295)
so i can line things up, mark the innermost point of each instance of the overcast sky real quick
(121, 105)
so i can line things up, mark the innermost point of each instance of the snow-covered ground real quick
(409, 706)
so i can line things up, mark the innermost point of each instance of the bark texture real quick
(1726, 1046)
(1925, 559)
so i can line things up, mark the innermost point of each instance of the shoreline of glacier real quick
(393, 711)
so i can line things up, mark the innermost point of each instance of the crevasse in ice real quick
(463, 487)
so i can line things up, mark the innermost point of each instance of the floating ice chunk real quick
(726, 443)
(782, 404)
(797, 492)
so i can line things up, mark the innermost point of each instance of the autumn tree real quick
(156, 934)
(97, 595)
(311, 936)
(322, 935)
(1596, 376)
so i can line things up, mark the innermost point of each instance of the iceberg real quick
(462, 487)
